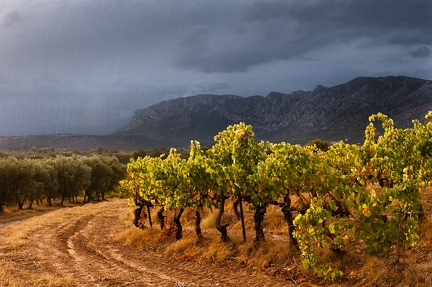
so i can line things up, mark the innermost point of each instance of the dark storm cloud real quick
(228, 37)
(10, 18)
(85, 66)
(89, 31)
(383, 13)
(279, 30)
(211, 86)
(422, 52)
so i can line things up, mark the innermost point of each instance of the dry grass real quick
(275, 251)
(12, 276)
(18, 237)
(380, 272)
(269, 253)
(272, 256)
(18, 268)
(209, 219)
(275, 256)
(12, 213)
(139, 238)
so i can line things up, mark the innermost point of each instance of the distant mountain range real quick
(335, 113)
(330, 113)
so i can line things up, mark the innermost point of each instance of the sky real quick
(85, 66)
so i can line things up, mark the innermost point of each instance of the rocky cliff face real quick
(330, 113)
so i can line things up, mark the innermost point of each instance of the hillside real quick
(72, 142)
(330, 113)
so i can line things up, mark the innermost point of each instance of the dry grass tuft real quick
(249, 223)
(378, 272)
(426, 231)
(12, 276)
(274, 220)
(138, 237)
(18, 237)
(265, 254)
(360, 268)
(219, 250)
(209, 219)
(262, 255)
(187, 245)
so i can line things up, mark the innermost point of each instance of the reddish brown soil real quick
(81, 248)
(77, 247)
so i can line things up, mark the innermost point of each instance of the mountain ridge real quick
(333, 113)
(330, 113)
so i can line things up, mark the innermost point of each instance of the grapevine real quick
(347, 193)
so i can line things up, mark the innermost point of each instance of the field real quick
(96, 245)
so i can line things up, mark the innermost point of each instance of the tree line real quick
(29, 180)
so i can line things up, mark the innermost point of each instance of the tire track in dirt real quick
(82, 248)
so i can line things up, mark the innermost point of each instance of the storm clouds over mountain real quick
(85, 66)
(331, 113)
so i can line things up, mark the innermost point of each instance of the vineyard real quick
(368, 195)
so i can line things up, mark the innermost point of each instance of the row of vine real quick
(367, 192)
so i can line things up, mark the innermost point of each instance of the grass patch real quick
(13, 275)
(210, 248)
(265, 254)
(17, 266)
(274, 255)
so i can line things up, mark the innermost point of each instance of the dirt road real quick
(76, 246)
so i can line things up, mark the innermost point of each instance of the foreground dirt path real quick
(77, 244)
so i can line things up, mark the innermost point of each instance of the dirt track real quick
(79, 245)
